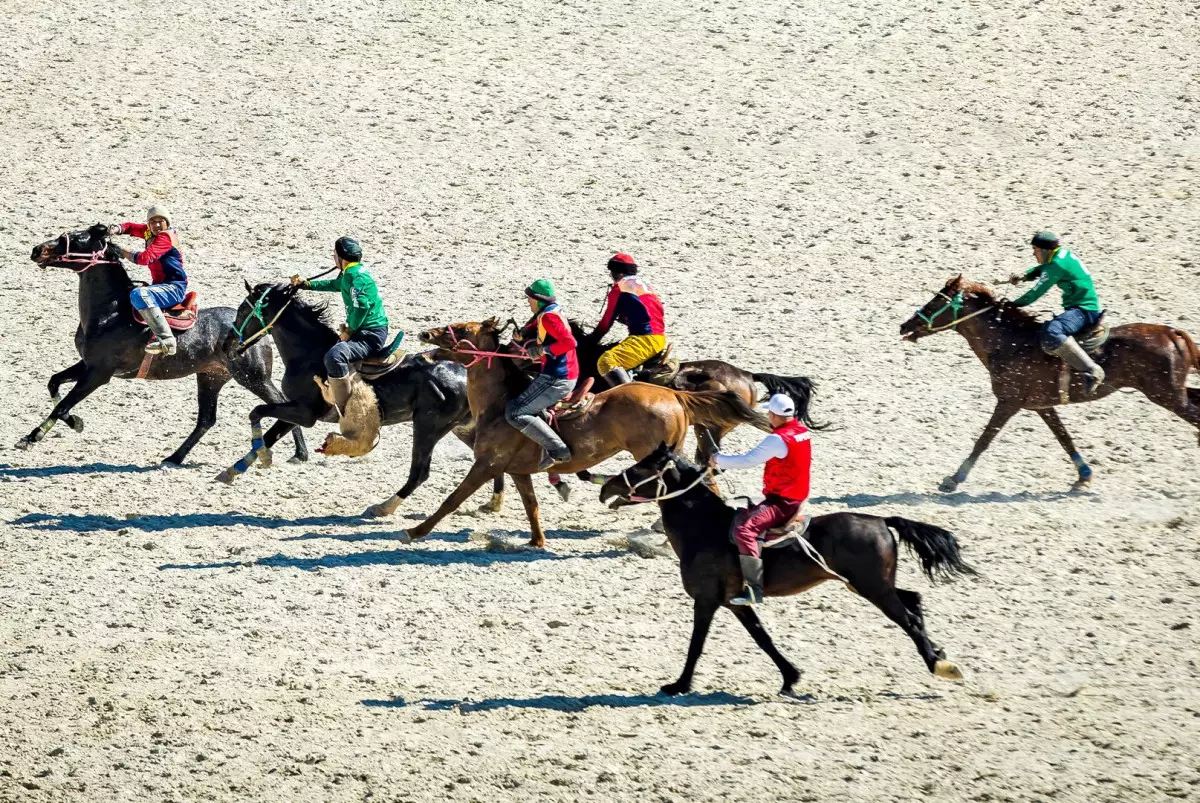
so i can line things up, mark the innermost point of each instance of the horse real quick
(630, 418)
(854, 548)
(430, 393)
(111, 343)
(1151, 358)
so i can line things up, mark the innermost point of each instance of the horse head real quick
(456, 337)
(77, 250)
(259, 310)
(660, 465)
(939, 313)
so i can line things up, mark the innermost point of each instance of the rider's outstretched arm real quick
(771, 446)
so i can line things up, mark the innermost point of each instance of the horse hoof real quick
(945, 669)
(383, 509)
(404, 537)
(948, 485)
(226, 476)
(23, 444)
(75, 423)
(564, 491)
(493, 505)
(675, 689)
(298, 458)
(1082, 484)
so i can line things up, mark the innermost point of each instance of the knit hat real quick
(1044, 239)
(541, 290)
(622, 263)
(158, 210)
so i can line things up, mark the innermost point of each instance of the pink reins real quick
(480, 356)
(87, 259)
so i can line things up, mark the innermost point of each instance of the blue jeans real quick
(163, 296)
(524, 412)
(1071, 322)
(362, 344)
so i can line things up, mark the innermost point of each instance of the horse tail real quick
(935, 547)
(799, 388)
(719, 409)
(1190, 351)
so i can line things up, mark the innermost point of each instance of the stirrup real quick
(162, 347)
(749, 596)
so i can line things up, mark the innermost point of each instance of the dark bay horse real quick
(855, 548)
(1148, 357)
(110, 342)
(430, 393)
(631, 418)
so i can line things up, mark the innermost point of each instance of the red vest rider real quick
(168, 282)
(787, 452)
(633, 303)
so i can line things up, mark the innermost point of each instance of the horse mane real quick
(314, 312)
(1018, 317)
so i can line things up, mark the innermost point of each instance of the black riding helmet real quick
(1045, 239)
(347, 248)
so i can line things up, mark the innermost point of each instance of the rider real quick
(632, 302)
(1058, 266)
(787, 452)
(168, 282)
(366, 329)
(555, 347)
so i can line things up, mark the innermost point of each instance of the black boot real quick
(752, 574)
(617, 376)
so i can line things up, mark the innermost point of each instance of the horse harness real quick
(954, 305)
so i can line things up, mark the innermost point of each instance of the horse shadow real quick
(572, 704)
(956, 499)
(175, 521)
(25, 472)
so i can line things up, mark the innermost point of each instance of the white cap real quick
(782, 404)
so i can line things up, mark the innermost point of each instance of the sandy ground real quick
(795, 178)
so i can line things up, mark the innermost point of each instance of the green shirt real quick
(364, 307)
(1066, 272)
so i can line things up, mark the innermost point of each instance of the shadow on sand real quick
(957, 499)
(24, 472)
(176, 521)
(559, 702)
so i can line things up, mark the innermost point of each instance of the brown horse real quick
(1148, 357)
(633, 418)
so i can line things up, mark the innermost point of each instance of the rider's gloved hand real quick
(536, 351)
(298, 281)
(1016, 278)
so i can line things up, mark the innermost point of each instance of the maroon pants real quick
(750, 525)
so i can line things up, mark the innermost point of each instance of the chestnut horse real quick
(1148, 357)
(633, 418)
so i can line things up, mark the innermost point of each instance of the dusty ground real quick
(795, 178)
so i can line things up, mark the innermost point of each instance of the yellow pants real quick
(631, 352)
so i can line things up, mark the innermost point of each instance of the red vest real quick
(788, 477)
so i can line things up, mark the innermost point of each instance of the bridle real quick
(661, 487)
(88, 259)
(257, 312)
(457, 346)
(954, 306)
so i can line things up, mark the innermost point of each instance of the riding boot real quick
(752, 573)
(556, 451)
(1073, 355)
(617, 376)
(164, 340)
(339, 388)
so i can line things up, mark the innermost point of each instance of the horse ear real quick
(955, 282)
(491, 323)
(99, 231)
(246, 282)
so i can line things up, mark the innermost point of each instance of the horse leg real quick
(496, 502)
(476, 477)
(702, 616)
(72, 374)
(524, 485)
(911, 601)
(1055, 423)
(762, 638)
(1183, 402)
(288, 414)
(1000, 416)
(90, 382)
(888, 600)
(208, 387)
(254, 378)
(425, 437)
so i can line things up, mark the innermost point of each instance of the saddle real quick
(1091, 339)
(792, 530)
(180, 317)
(382, 362)
(573, 406)
(658, 370)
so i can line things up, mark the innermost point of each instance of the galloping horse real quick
(1148, 357)
(632, 418)
(430, 393)
(111, 342)
(857, 549)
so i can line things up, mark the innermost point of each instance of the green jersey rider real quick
(1058, 267)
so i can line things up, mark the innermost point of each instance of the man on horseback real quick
(366, 329)
(559, 370)
(168, 282)
(632, 302)
(787, 453)
(1059, 267)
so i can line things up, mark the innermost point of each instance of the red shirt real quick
(788, 477)
(633, 303)
(554, 333)
(162, 255)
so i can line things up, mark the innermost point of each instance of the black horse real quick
(111, 342)
(857, 549)
(429, 392)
